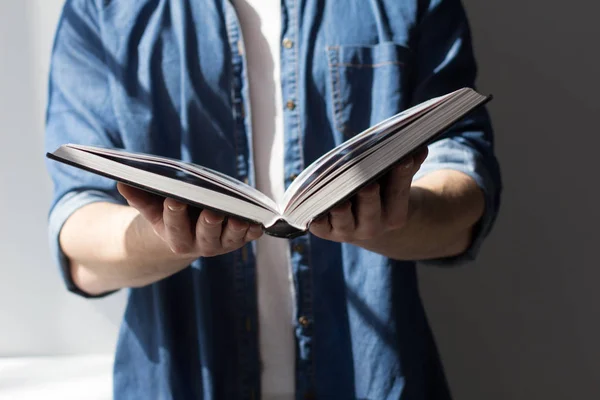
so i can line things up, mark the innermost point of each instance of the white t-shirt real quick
(261, 28)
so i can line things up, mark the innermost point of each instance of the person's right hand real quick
(209, 236)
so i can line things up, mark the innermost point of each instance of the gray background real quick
(521, 323)
(524, 321)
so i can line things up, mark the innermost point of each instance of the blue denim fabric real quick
(169, 78)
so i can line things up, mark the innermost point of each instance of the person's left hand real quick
(376, 209)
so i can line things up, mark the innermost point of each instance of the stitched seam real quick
(335, 89)
(338, 104)
(297, 80)
(339, 123)
(236, 115)
(298, 113)
(332, 94)
(109, 83)
(370, 65)
(312, 315)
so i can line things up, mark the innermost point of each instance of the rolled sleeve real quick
(79, 111)
(449, 154)
(445, 62)
(61, 211)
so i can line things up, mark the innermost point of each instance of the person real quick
(258, 90)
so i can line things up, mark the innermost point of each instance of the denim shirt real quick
(169, 77)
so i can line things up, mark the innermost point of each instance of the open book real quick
(331, 179)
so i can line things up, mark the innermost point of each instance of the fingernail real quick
(176, 208)
(211, 222)
(255, 229)
(408, 163)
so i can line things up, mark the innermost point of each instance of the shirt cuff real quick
(59, 214)
(453, 155)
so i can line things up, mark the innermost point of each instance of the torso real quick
(178, 88)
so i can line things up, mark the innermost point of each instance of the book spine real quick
(282, 229)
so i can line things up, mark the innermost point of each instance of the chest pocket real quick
(367, 84)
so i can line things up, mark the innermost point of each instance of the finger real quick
(397, 194)
(397, 179)
(321, 227)
(234, 233)
(368, 212)
(254, 232)
(419, 159)
(177, 228)
(149, 205)
(208, 229)
(421, 155)
(342, 221)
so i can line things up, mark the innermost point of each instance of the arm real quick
(443, 209)
(444, 204)
(133, 246)
(100, 243)
(429, 219)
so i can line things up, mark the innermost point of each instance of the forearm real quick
(444, 206)
(111, 247)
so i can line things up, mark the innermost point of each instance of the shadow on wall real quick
(524, 321)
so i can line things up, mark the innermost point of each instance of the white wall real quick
(37, 316)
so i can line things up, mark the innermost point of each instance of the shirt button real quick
(292, 177)
(303, 321)
(290, 105)
(298, 248)
(287, 43)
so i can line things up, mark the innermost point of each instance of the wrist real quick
(400, 243)
(419, 198)
(150, 251)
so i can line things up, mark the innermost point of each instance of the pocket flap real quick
(379, 55)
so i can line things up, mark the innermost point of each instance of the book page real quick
(218, 179)
(166, 181)
(354, 147)
(373, 163)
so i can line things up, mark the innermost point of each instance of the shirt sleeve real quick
(444, 63)
(79, 111)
